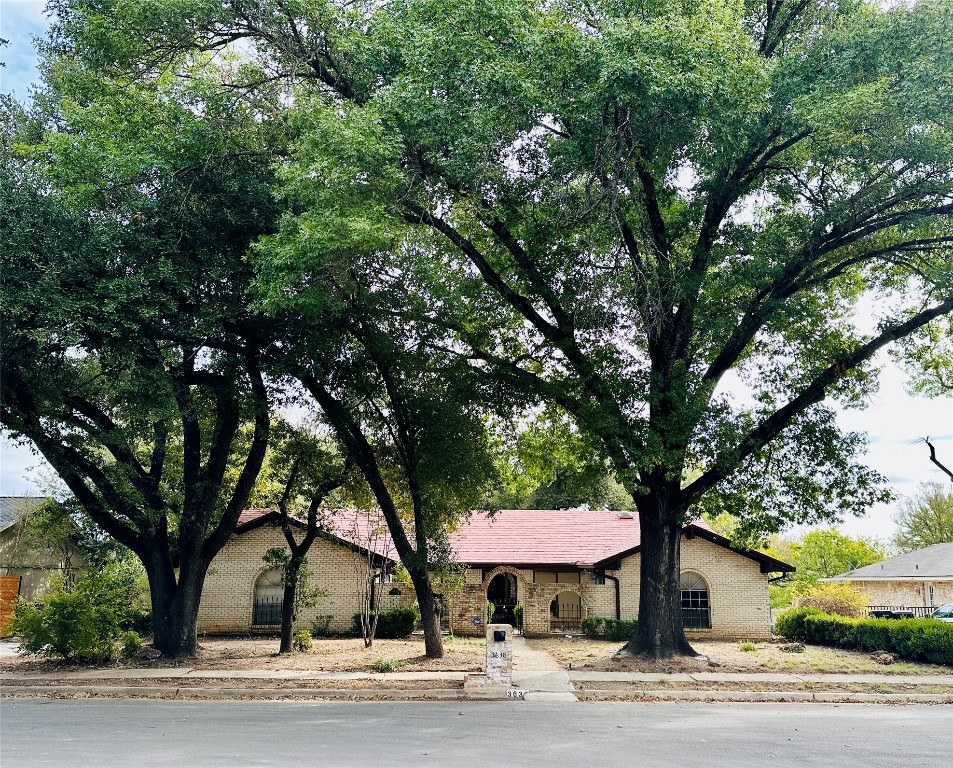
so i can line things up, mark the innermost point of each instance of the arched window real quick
(696, 612)
(269, 594)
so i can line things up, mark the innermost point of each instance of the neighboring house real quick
(918, 581)
(559, 567)
(26, 566)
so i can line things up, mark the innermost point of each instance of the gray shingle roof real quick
(934, 562)
(12, 508)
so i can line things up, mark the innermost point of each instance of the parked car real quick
(944, 613)
(892, 613)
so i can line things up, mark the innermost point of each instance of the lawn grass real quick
(583, 653)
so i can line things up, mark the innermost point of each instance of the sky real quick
(895, 421)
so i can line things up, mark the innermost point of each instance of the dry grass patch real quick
(343, 654)
(679, 685)
(585, 653)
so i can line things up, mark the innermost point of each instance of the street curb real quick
(169, 692)
(768, 696)
(456, 694)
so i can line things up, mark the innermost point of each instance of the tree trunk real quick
(659, 633)
(175, 609)
(433, 640)
(288, 605)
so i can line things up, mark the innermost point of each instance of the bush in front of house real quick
(915, 639)
(301, 641)
(392, 623)
(138, 620)
(615, 630)
(840, 599)
(78, 623)
(130, 644)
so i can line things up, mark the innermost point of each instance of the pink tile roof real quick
(510, 537)
(550, 537)
(362, 528)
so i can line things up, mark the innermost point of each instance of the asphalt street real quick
(152, 734)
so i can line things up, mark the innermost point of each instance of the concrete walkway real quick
(536, 672)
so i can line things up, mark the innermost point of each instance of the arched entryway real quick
(565, 612)
(503, 593)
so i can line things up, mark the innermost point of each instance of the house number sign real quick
(499, 653)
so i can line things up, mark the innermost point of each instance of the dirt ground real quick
(582, 653)
(711, 685)
(327, 655)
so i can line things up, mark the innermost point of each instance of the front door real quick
(501, 592)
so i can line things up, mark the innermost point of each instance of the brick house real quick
(552, 568)
(561, 566)
(919, 581)
(242, 595)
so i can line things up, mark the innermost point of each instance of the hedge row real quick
(391, 624)
(918, 639)
(616, 630)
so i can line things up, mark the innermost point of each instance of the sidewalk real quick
(536, 677)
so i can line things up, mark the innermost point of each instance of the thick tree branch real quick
(490, 275)
(813, 393)
(351, 435)
(776, 26)
(935, 460)
(249, 474)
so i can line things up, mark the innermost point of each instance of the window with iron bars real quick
(696, 612)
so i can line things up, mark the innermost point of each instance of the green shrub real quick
(790, 624)
(301, 641)
(917, 639)
(391, 624)
(924, 639)
(322, 626)
(388, 665)
(77, 623)
(136, 620)
(130, 644)
(616, 630)
(67, 625)
(747, 646)
(840, 599)
(873, 634)
(593, 626)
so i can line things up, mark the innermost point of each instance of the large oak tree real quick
(631, 209)
(122, 242)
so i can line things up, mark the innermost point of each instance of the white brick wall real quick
(230, 585)
(908, 594)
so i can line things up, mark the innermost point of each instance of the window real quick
(269, 596)
(554, 577)
(598, 577)
(696, 613)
